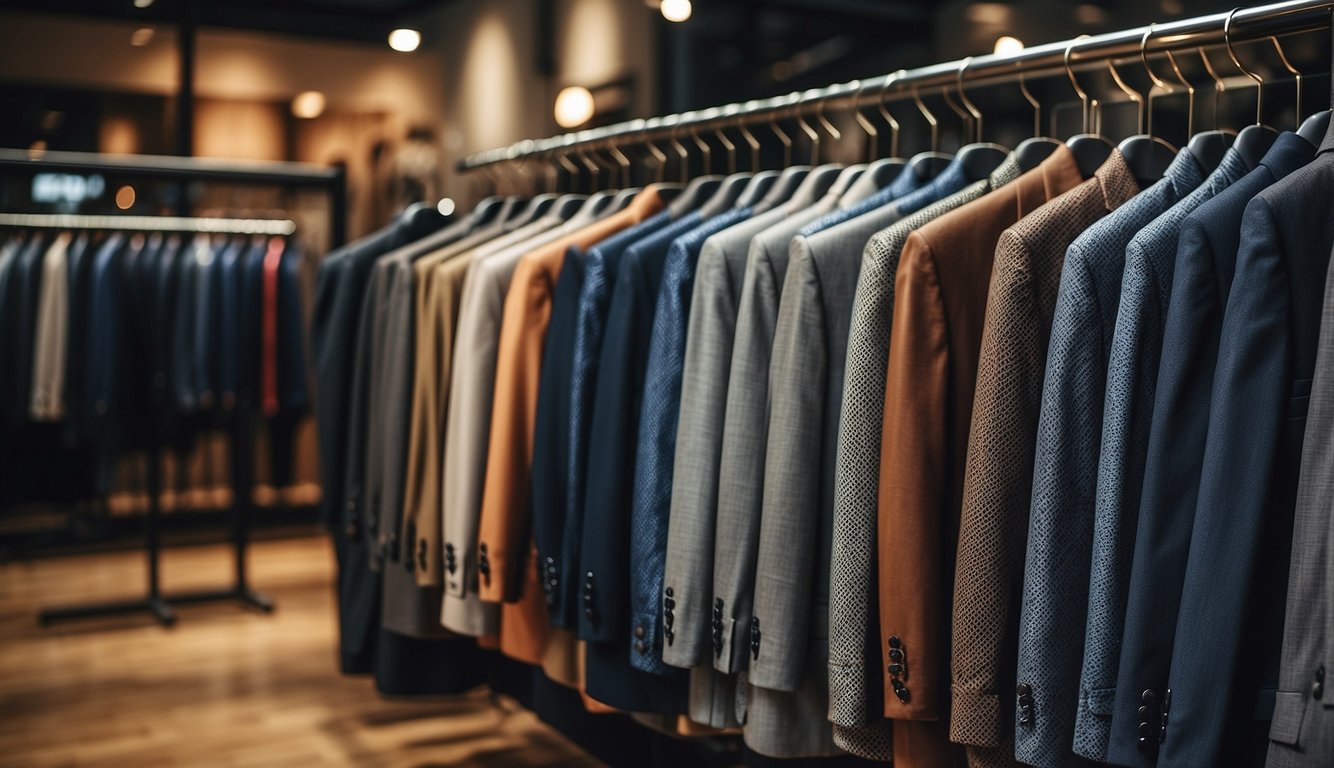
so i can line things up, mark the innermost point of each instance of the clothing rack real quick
(1242, 25)
(242, 453)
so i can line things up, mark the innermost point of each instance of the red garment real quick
(269, 329)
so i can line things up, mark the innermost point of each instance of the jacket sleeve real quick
(740, 489)
(420, 456)
(911, 501)
(1171, 487)
(690, 526)
(503, 532)
(1060, 515)
(789, 535)
(1245, 420)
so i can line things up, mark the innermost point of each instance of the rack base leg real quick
(245, 595)
(154, 605)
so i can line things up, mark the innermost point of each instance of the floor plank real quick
(226, 686)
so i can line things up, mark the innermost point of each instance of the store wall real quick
(497, 87)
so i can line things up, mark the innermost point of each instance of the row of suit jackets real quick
(896, 461)
(130, 340)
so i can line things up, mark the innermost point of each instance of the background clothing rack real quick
(329, 180)
(1050, 59)
(242, 433)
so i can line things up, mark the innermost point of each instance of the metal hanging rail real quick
(149, 223)
(1248, 24)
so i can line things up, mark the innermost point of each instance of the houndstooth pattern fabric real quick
(855, 704)
(1081, 334)
(1132, 375)
(999, 479)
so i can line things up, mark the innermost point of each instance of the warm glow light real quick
(37, 149)
(445, 206)
(308, 105)
(676, 10)
(125, 197)
(141, 37)
(574, 106)
(142, 3)
(405, 40)
(1006, 44)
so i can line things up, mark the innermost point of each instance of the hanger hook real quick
(659, 157)
(1154, 80)
(963, 96)
(887, 116)
(1131, 93)
(1070, 73)
(1037, 107)
(728, 146)
(751, 141)
(621, 160)
(1259, 81)
(1219, 85)
(872, 135)
(834, 133)
(930, 118)
(806, 128)
(782, 136)
(964, 117)
(681, 152)
(704, 149)
(1292, 71)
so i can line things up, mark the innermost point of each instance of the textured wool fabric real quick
(998, 474)
(1302, 734)
(1055, 575)
(938, 307)
(1132, 370)
(1229, 633)
(1202, 278)
(652, 494)
(855, 706)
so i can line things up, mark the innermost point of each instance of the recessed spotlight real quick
(445, 206)
(308, 105)
(141, 37)
(125, 197)
(574, 106)
(1006, 44)
(676, 10)
(405, 40)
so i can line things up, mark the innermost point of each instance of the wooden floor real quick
(226, 686)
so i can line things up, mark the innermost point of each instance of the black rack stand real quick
(332, 181)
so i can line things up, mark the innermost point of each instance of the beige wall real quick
(494, 94)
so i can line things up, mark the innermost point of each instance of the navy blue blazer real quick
(1229, 634)
(1205, 261)
(605, 549)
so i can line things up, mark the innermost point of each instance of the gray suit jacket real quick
(472, 380)
(1302, 732)
(741, 461)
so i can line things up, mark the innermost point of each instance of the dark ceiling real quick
(354, 20)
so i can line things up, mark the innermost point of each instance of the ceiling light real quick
(1006, 45)
(574, 106)
(125, 197)
(141, 37)
(142, 3)
(676, 10)
(445, 206)
(308, 105)
(1090, 15)
(405, 40)
(1172, 7)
